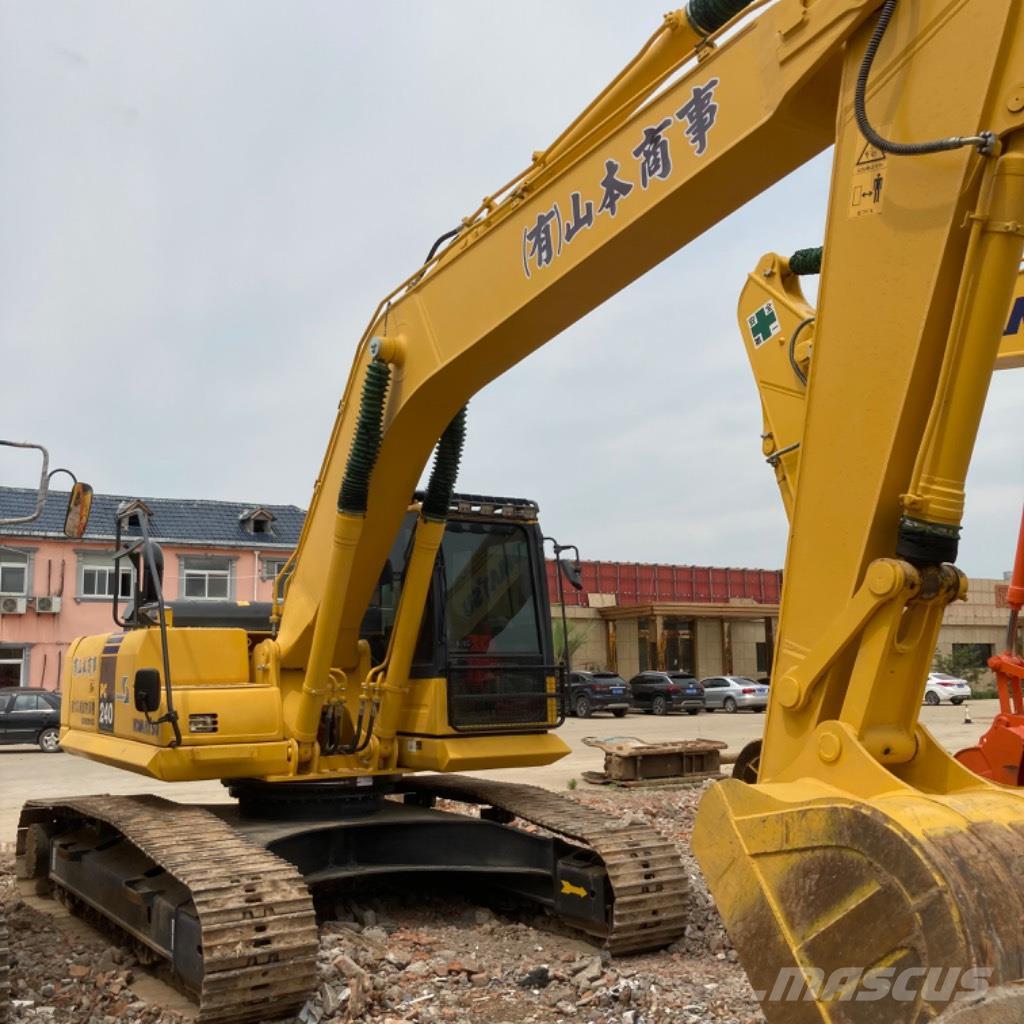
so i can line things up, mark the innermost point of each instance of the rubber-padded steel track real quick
(647, 875)
(259, 935)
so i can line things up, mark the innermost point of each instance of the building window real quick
(257, 521)
(762, 656)
(206, 579)
(13, 574)
(272, 567)
(12, 666)
(677, 644)
(972, 655)
(96, 578)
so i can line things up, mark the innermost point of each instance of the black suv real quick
(30, 716)
(661, 692)
(598, 691)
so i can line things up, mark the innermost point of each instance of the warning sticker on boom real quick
(867, 190)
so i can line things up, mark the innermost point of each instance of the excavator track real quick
(647, 876)
(259, 937)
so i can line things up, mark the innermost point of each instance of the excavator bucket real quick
(856, 895)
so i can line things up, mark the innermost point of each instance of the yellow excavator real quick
(412, 636)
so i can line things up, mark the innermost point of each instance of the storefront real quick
(702, 640)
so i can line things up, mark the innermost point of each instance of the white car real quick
(941, 687)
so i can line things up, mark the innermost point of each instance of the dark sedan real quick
(30, 716)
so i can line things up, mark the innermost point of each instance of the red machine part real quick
(999, 755)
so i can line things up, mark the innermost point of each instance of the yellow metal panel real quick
(479, 753)
(183, 764)
(209, 672)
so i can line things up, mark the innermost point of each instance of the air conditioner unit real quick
(13, 605)
(47, 605)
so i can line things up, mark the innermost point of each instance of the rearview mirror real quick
(147, 690)
(573, 572)
(79, 506)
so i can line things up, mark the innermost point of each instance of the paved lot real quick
(27, 772)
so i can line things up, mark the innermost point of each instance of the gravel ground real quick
(391, 956)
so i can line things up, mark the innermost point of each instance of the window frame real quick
(957, 647)
(96, 563)
(10, 559)
(267, 561)
(14, 709)
(207, 568)
(5, 659)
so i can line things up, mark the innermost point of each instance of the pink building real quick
(53, 589)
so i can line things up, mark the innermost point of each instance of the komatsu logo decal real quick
(555, 228)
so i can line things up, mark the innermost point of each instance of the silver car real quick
(734, 693)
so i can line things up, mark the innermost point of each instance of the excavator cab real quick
(486, 627)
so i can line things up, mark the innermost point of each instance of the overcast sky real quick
(201, 203)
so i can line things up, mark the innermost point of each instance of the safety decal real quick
(764, 324)
(867, 191)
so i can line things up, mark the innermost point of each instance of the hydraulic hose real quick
(984, 142)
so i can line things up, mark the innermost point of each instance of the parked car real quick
(30, 716)
(941, 686)
(598, 691)
(661, 692)
(734, 693)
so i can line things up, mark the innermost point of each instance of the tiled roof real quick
(174, 520)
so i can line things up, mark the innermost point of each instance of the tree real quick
(962, 663)
(575, 637)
